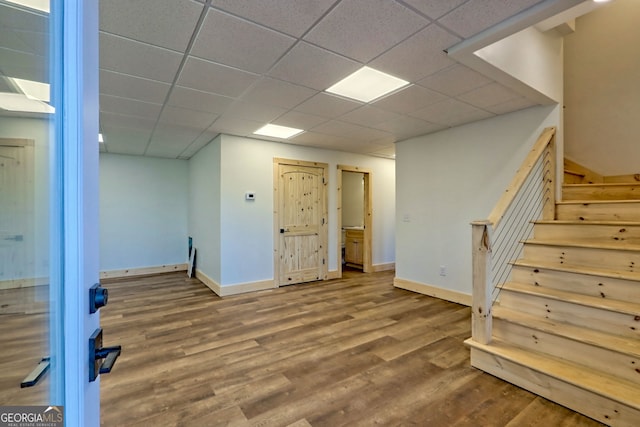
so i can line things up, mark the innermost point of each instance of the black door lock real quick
(98, 297)
(97, 353)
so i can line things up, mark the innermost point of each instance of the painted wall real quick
(204, 208)
(352, 199)
(143, 211)
(446, 180)
(602, 89)
(245, 228)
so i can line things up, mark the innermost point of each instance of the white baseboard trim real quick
(113, 274)
(23, 283)
(238, 288)
(433, 291)
(383, 267)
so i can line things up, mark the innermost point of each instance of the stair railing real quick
(497, 241)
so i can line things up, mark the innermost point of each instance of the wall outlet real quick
(443, 270)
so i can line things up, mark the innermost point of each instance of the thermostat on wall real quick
(250, 196)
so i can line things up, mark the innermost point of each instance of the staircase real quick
(567, 324)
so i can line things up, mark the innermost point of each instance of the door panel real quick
(302, 224)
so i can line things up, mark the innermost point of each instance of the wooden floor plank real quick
(347, 352)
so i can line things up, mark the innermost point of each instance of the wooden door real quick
(301, 254)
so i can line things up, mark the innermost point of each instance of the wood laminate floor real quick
(349, 352)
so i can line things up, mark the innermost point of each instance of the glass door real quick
(48, 205)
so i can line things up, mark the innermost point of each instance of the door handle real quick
(37, 373)
(97, 353)
(284, 230)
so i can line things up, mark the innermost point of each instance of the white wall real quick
(602, 89)
(143, 211)
(246, 227)
(352, 199)
(204, 208)
(446, 180)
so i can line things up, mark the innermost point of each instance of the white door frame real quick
(367, 266)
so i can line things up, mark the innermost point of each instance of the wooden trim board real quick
(235, 289)
(169, 268)
(23, 283)
(433, 291)
(383, 267)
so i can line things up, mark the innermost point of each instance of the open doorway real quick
(354, 218)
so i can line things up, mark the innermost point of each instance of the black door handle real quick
(97, 353)
(37, 373)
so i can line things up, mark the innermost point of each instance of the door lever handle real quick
(101, 359)
(37, 373)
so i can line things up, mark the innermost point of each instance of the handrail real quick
(521, 176)
(539, 168)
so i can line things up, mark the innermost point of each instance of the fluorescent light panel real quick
(21, 103)
(41, 5)
(100, 138)
(33, 90)
(367, 84)
(277, 131)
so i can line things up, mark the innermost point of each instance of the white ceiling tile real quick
(188, 118)
(409, 99)
(166, 23)
(477, 15)
(434, 8)
(322, 140)
(313, 67)
(368, 115)
(166, 149)
(127, 56)
(195, 146)
(511, 105)
(207, 76)
(419, 56)
(328, 106)
(298, 120)
(363, 29)
(389, 151)
(289, 16)
(277, 92)
(488, 95)
(127, 141)
(254, 111)
(197, 100)
(126, 86)
(109, 121)
(129, 107)
(337, 128)
(404, 127)
(235, 126)
(232, 41)
(455, 80)
(451, 112)
(170, 140)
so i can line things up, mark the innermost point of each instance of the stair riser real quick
(602, 192)
(589, 355)
(599, 319)
(573, 397)
(622, 234)
(585, 284)
(609, 259)
(598, 211)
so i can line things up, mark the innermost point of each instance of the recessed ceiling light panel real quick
(41, 5)
(367, 84)
(276, 131)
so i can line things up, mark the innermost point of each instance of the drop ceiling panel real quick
(363, 29)
(329, 106)
(254, 111)
(455, 80)
(313, 67)
(235, 126)
(298, 120)
(126, 86)
(127, 56)
(23, 65)
(293, 17)
(129, 107)
(404, 127)
(165, 23)
(489, 95)
(451, 112)
(197, 144)
(232, 41)
(109, 121)
(434, 8)
(199, 120)
(197, 100)
(511, 105)
(369, 115)
(409, 99)
(215, 78)
(419, 56)
(277, 92)
(127, 141)
(477, 15)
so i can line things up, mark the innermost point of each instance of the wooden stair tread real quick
(614, 388)
(589, 336)
(595, 223)
(597, 202)
(620, 245)
(614, 274)
(624, 307)
(602, 184)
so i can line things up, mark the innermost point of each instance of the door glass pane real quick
(29, 317)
